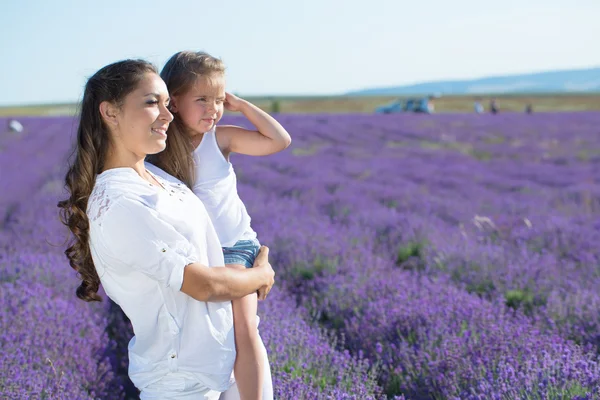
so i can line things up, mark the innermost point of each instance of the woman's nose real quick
(166, 114)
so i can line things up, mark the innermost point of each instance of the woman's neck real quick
(125, 161)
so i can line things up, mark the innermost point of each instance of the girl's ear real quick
(173, 105)
(109, 113)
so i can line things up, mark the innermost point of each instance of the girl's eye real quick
(152, 102)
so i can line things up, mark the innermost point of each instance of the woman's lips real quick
(160, 131)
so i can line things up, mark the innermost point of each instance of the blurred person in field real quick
(149, 241)
(430, 104)
(478, 107)
(494, 107)
(425, 105)
(198, 153)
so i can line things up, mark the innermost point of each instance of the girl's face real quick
(140, 125)
(201, 107)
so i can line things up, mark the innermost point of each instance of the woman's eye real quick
(152, 102)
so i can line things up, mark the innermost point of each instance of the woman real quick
(149, 241)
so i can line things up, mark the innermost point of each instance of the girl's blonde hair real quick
(180, 74)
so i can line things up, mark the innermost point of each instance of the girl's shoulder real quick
(212, 152)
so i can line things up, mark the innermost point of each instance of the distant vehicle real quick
(423, 105)
(410, 105)
(393, 107)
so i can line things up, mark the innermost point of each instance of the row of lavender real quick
(457, 252)
(57, 347)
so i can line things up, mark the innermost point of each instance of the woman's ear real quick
(109, 113)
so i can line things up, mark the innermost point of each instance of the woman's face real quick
(201, 107)
(140, 124)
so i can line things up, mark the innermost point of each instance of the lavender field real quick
(417, 257)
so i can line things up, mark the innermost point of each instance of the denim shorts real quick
(243, 252)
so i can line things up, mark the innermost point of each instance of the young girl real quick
(198, 154)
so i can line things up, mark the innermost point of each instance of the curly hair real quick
(111, 83)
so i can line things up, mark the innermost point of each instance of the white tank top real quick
(216, 186)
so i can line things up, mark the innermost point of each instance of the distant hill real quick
(579, 81)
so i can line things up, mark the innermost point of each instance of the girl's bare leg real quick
(234, 394)
(249, 366)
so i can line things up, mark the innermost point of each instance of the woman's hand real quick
(262, 262)
(233, 103)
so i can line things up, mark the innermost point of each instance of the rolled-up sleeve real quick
(134, 234)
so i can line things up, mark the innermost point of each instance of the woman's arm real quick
(223, 284)
(134, 234)
(270, 137)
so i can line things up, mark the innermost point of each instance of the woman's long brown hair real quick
(112, 83)
(180, 74)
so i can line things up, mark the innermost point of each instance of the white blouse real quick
(141, 238)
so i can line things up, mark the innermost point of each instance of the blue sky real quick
(50, 47)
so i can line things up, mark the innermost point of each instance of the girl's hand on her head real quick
(233, 103)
